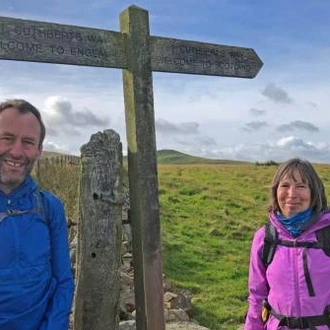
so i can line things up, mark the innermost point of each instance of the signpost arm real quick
(142, 168)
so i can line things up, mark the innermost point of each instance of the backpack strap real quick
(40, 208)
(298, 322)
(323, 238)
(10, 212)
(270, 244)
(41, 204)
(271, 241)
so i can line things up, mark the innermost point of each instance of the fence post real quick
(99, 234)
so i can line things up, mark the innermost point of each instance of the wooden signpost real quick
(138, 54)
(25, 40)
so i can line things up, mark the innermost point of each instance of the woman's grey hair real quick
(308, 175)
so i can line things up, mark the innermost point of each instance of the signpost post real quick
(138, 54)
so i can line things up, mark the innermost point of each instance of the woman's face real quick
(293, 195)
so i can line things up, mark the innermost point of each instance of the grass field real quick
(208, 216)
(209, 213)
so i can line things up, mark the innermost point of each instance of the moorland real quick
(209, 211)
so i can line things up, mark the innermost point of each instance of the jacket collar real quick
(317, 222)
(27, 186)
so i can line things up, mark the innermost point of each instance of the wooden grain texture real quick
(142, 169)
(183, 56)
(99, 234)
(25, 40)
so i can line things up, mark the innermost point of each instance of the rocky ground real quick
(178, 311)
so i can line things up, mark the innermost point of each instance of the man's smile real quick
(14, 163)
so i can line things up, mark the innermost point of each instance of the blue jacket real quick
(36, 282)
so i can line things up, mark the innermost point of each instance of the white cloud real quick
(166, 127)
(196, 114)
(276, 94)
(257, 112)
(278, 151)
(255, 126)
(59, 112)
(298, 125)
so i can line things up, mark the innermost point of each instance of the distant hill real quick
(175, 157)
(50, 154)
(167, 156)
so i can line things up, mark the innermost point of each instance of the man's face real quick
(19, 147)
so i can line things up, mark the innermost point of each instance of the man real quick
(36, 282)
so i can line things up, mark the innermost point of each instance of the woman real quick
(293, 290)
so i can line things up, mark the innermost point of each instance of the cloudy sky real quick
(282, 112)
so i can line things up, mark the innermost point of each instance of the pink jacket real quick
(283, 283)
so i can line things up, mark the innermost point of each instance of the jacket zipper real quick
(296, 275)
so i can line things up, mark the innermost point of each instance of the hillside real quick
(50, 154)
(167, 156)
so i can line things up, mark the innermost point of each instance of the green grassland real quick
(209, 211)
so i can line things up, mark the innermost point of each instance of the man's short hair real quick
(25, 107)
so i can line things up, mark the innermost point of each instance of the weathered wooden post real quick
(99, 234)
(138, 54)
(142, 169)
